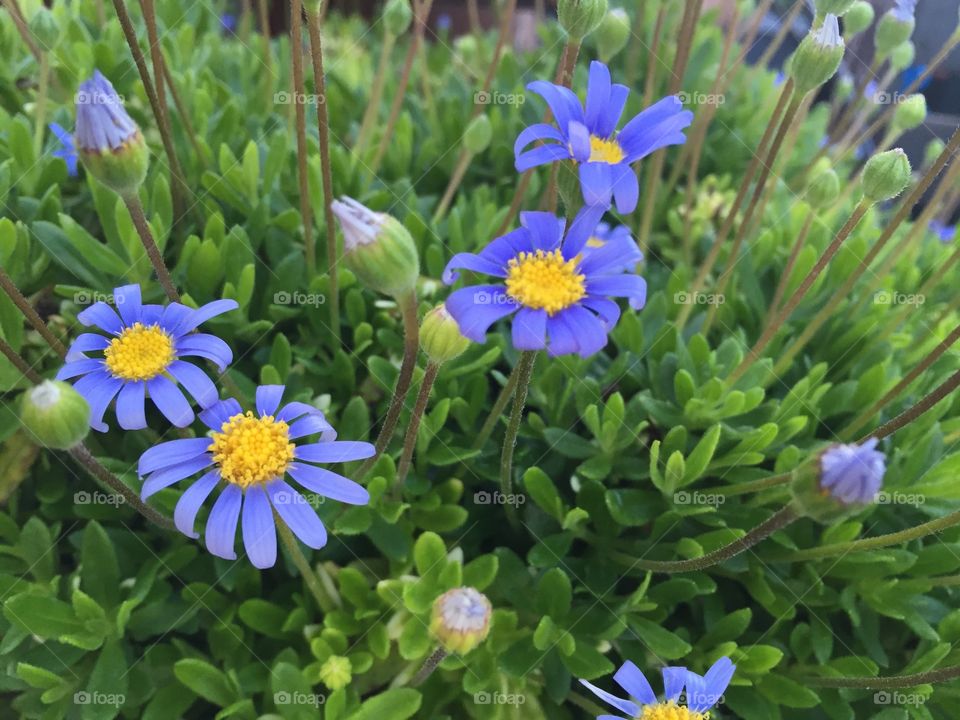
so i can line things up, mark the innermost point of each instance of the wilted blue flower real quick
(144, 356)
(945, 233)
(67, 151)
(701, 692)
(589, 137)
(853, 474)
(559, 292)
(102, 121)
(252, 453)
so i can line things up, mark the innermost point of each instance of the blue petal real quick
(221, 528)
(335, 452)
(102, 316)
(171, 453)
(697, 698)
(310, 425)
(543, 155)
(613, 257)
(204, 313)
(561, 340)
(625, 706)
(195, 380)
(546, 229)
(86, 342)
(717, 679)
(580, 146)
(170, 401)
(610, 118)
(655, 128)
(635, 683)
(596, 181)
(563, 102)
(220, 412)
(626, 188)
(81, 367)
(506, 247)
(608, 310)
(174, 474)
(128, 302)
(292, 410)
(628, 286)
(674, 678)
(541, 131)
(329, 484)
(530, 329)
(298, 514)
(206, 346)
(98, 389)
(174, 316)
(598, 94)
(591, 333)
(477, 307)
(259, 533)
(185, 514)
(130, 410)
(474, 263)
(582, 229)
(268, 399)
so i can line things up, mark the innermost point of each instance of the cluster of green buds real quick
(895, 27)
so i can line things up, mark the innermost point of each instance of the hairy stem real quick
(326, 600)
(32, 316)
(153, 252)
(431, 664)
(894, 682)
(524, 374)
(410, 439)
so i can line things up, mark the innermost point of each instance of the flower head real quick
(141, 354)
(853, 474)
(589, 137)
(66, 151)
(702, 692)
(461, 619)
(249, 454)
(557, 288)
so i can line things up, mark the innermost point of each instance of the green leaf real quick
(206, 681)
(398, 704)
(786, 692)
(99, 572)
(554, 594)
(40, 615)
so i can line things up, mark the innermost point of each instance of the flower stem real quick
(18, 362)
(22, 28)
(411, 346)
(40, 106)
(325, 595)
(778, 521)
(463, 164)
(431, 664)
(300, 112)
(908, 416)
(750, 486)
(263, 11)
(791, 263)
(153, 252)
(85, 458)
(32, 316)
(323, 132)
(524, 374)
(497, 410)
(410, 439)
(894, 682)
(184, 114)
(376, 92)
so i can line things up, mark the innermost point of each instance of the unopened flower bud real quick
(55, 415)
(833, 7)
(378, 249)
(903, 56)
(886, 175)
(397, 16)
(909, 113)
(824, 189)
(579, 18)
(43, 26)
(933, 150)
(478, 135)
(818, 56)
(336, 672)
(858, 18)
(841, 481)
(440, 336)
(461, 619)
(613, 34)
(107, 140)
(895, 27)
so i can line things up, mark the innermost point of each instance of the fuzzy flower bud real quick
(818, 56)
(107, 139)
(477, 136)
(933, 150)
(378, 249)
(823, 190)
(910, 113)
(841, 481)
(397, 16)
(55, 415)
(613, 34)
(440, 336)
(579, 18)
(336, 672)
(895, 27)
(461, 619)
(858, 18)
(886, 175)
(903, 56)
(833, 7)
(43, 26)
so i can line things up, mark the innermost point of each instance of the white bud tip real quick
(45, 395)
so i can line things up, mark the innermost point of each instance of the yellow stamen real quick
(545, 281)
(606, 151)
(140, 352)
(671, 711)
(251, 450)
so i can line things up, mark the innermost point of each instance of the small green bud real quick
(123, 170)
(858, 18)
(818, 56)
(886, 175)
(460, 619)
(43, 26)
(378, 249)
(903, 56)
(55, 415)
(909, 113)
(893, 29)
(823, 190)
(397, 16)
(478, 135)
(336, 672)
(833, 7)
(613, 34)
(933, 150)
(579, 18)
(440, 336)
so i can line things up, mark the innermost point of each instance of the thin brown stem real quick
(263, 11)
(496, 412)
(21, 24)
(18, 362)
(376, 92)
(32, 316)
(908, 416)
(410, 439)
(150, 246)
(894, 682)
(431, 664)
(791, 263)
(184, 115)
(300, 112)
(320, 593)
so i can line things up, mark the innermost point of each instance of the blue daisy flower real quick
(142, 354)
(853, 474)
(558, 291)
(589, 137)
(67, 151)
(700, 692)
(103, 124)
(250, 454)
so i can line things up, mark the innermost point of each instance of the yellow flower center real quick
(670, 711)
(251, 449)
(596, 242)
(605, 151)
(545, 281)
(140, 352)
